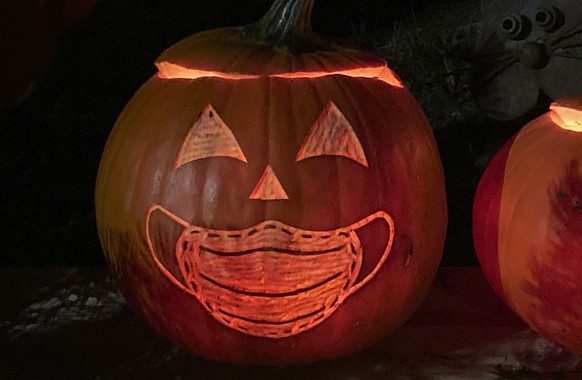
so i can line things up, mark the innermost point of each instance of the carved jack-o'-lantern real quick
(527, 222)
(270, 196)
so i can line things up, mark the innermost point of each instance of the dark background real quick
(50, 143)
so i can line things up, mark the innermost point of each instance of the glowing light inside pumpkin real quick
(169, 70)
(567, 113)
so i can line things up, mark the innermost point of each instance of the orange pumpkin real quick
(527, 220)
(270, 196)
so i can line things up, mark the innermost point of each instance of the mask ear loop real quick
(150, 244)
(388, 219)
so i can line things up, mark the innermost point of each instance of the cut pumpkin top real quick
(281, 44)
(224, 50)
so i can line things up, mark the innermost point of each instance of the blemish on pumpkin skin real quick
(568, 197)
(574, 200)
(408, 255)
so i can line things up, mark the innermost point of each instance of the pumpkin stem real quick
(286, 24)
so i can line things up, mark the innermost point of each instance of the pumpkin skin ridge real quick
(338, 167)
(487, 219)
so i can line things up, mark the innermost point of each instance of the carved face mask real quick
(272, 279)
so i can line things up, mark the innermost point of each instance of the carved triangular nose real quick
(268, 187)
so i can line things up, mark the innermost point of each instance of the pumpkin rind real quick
(537, 226)
(270, 117)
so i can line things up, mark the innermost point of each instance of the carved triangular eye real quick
(209, 136)
(268, 187)
(332, 135)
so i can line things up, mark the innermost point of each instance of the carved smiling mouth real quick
(272, 279)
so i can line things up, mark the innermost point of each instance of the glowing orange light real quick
(169, 70)
(567, 113)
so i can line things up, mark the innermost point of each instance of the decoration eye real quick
(550, 19)
(209, 136)
(515, 27)
(332, 135)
